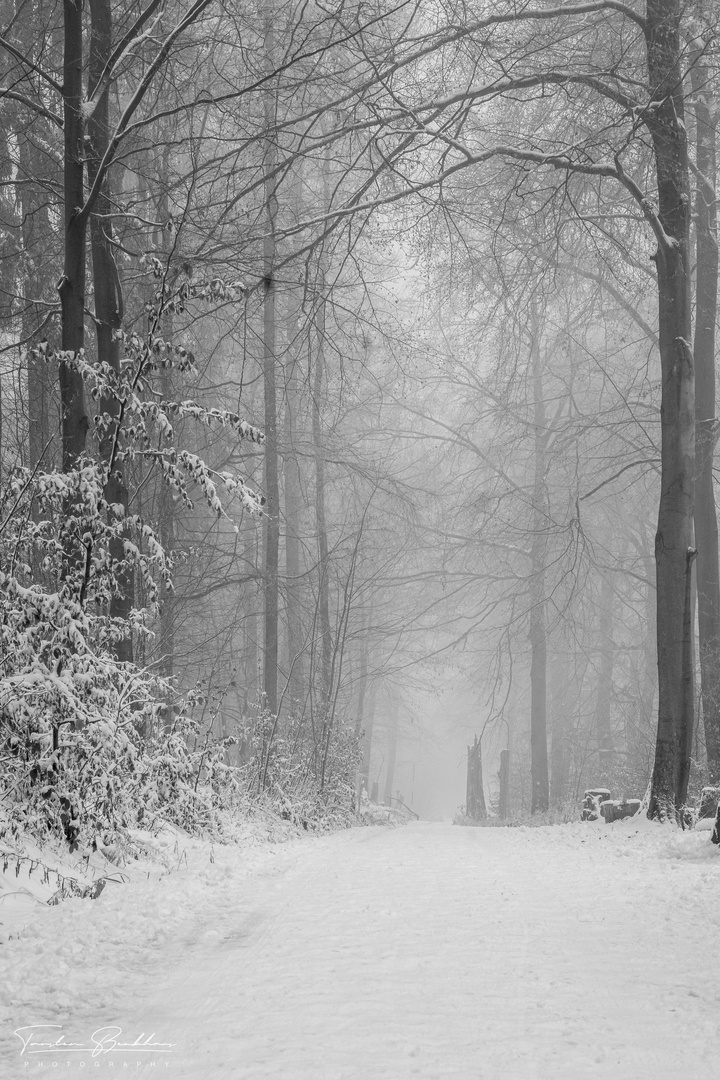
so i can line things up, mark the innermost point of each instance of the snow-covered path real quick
(437, 951)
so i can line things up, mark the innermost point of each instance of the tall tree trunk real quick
(293, 511)
(271, 523)
(320, 516)
(648, 691)
(108, 314)
(38, 237)
(392, 741)
(37, 232)
(362, 694)
(603, 695)
(166, 503)
(675, 516)
(363, 663)
(326, 645)
(538, 615)
(252, 627)
(561, 708)
(706, 527)
(504, 777)
(367, 741)
(72, 283)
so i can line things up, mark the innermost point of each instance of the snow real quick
(428, 951)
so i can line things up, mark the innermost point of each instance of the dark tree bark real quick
(166, 506)
(686, 727)
(108, 309)
(649, 655)
(706, 527)
(271, 522)
(675, 516)
(37, 235)
(72, 283)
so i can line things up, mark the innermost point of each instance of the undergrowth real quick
(91, 744)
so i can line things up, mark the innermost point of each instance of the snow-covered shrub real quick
(90, 744)
(370, 813)
(85, 744)
(305, 774)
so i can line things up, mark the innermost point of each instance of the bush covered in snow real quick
(286, 768)
(90, 745)
(85, 742)
(90, 742)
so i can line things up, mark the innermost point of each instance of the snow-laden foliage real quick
(89, 744)
(305, 774)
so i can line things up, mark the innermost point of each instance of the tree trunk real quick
(538, 619)
(367, 741)
(363, 663)
(38, 236)
(649, 665)
(706, 527)
(252, 627)
(362, 692)
(37, 231)
(562, 703)
(603, 697)
(504, 776)
(392, 741)
(108, 314)
(293, 511)
(72, 283)
(320, 516)
(675, 516)
(166, 503)
(271, 521)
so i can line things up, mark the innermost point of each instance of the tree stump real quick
(475, 798)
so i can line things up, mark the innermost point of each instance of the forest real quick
(348, 351)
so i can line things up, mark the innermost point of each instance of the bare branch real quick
(194, 13)
(609, 480)
(27, 62)
(30, 104)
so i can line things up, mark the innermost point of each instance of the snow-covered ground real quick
(425, 951)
